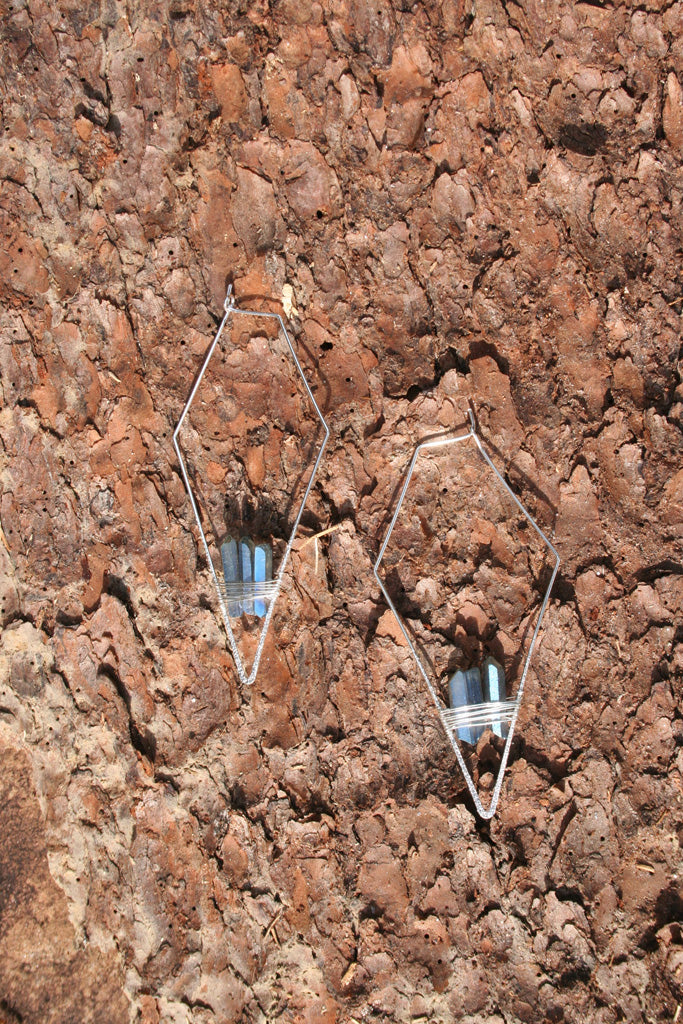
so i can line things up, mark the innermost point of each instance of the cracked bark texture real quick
(456, 200)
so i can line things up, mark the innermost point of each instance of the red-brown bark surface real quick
(455, 201)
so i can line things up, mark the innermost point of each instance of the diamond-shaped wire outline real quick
(483, 812)
(231, 309)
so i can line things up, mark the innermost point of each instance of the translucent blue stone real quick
(259, 564)
(494, 690)
(231, 572)
(263, 573)
(247, 568)
(465, 689)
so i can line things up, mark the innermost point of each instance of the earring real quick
(473, 692)
(239, 444)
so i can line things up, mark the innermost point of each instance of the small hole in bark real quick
(319, 214)
(20, 250)
(140, 60)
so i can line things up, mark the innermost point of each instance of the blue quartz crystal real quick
(494, 690)
(465, 689)
(263, 573)
(231, 572)
(247, 568)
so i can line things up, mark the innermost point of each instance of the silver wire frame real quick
(483, 812)
(231, 309)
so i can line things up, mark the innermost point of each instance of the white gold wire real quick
(491, 712)
(445, 713)
(275, 585)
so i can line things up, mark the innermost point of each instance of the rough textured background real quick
(469, 200)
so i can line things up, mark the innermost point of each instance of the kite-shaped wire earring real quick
(477, 617)
(249, 467)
